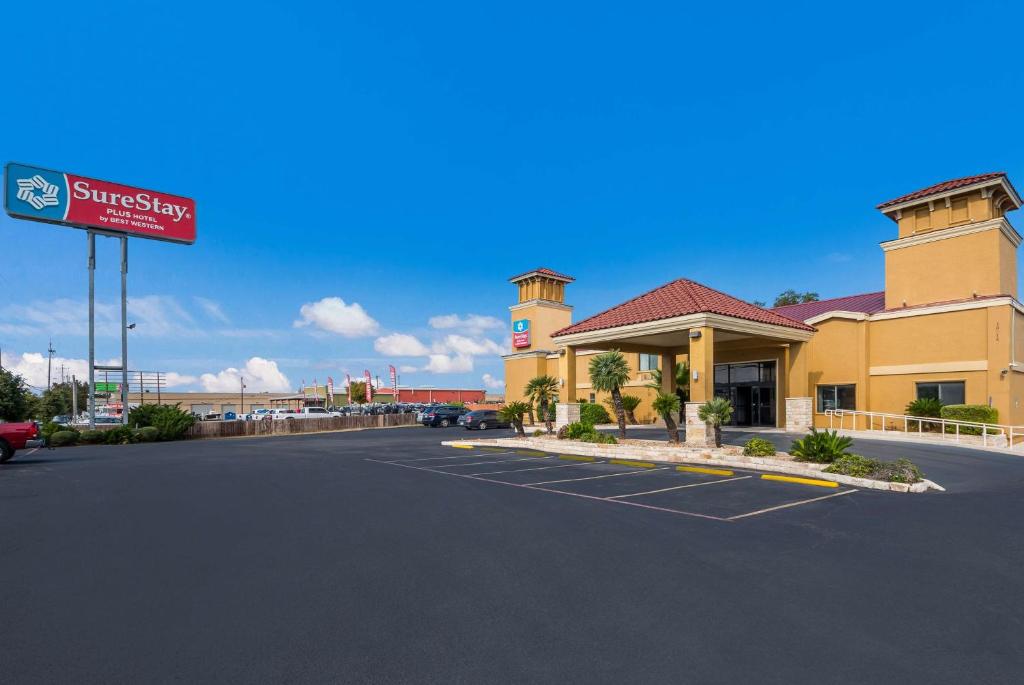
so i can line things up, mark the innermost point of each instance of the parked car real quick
(17, 436)
(442, 416)
(482, 419)
(315, 412)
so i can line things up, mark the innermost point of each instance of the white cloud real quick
(154, 315)
(32, 367)
(474, 323)
(406, 368)
(333, 315)
(261, 375)
(212, 309)
(492, 383)
(462, 345)
(442, 363)
(175, 380)
(400, 345)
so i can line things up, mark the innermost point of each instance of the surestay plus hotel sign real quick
(947, 325)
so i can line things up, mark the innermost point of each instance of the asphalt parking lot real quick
(723, 495)
(310, 559)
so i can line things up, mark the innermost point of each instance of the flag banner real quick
(369, 385)
(394, 382)
(348, 387)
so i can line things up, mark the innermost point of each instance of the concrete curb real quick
(694, 455)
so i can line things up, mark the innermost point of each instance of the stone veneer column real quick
(799, 414)
(698, 433)
(566, 413)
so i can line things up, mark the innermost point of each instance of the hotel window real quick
(648, 362)
(947, 393)
(836, 397)
(593, 398)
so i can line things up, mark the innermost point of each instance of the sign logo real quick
(521, 333)
(47, 197)
(80, 202)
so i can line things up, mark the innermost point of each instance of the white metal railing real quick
(987, 434)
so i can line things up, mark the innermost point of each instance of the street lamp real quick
(241, 390)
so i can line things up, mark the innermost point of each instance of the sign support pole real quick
(92, 330)
(124, 330)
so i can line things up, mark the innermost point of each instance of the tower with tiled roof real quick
(540, 309)
(954, 242)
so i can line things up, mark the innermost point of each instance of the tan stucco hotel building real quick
(948, 324)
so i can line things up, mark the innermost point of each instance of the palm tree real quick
(629, 405)
(608, 372)
(541, 390)
(513, 413)
(667, 404)
(715, 412)
(682, 385)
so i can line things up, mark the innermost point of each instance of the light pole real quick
(241, 390)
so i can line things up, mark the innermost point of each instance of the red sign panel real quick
(521, 339)
(61, 198)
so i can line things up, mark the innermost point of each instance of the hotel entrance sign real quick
(521, 333)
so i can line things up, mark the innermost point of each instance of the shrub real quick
(594, 414)
(537, 433)
(62, 438)
(48, 429)
(122, 435)
(574, 431)
(91, 437)
(980, 413)
(854, 465)
(170, 421)
(899, 471)
(925, 406)
(585, 433)
(758, 447)
(821, 447)
(147, 434)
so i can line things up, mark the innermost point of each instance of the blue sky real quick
(362, 168)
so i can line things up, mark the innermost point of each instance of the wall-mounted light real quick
(694, 334)
(696, 375)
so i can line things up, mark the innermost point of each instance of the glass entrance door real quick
(750, 386)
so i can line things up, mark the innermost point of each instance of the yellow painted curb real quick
(710, 472)
(575, 457)
(802, 481)
(632, 462)
(462, 447)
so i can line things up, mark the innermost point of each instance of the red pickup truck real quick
(17, 436)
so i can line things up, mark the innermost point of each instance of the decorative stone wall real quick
(799, 414)
(698, 433)
(566, 413)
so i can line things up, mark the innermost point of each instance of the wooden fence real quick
(231, 429)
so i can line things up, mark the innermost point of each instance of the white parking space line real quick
(791, 504)
(680, 487)
(539, 468)
(458, 456)
(606, 475)
(488, 463)
(558, 492)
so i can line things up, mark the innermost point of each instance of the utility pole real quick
(74, 397)
(241, 402)
(49, 362)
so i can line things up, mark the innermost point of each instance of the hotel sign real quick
(61, 198)
(521, 333)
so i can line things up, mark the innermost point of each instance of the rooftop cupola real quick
(542, 284)
(954, 242)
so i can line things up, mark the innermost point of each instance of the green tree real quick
(541, 390)
(793, 297)
(16, 401)
(608, 372)
(358, 392)
(714, 413)
(513, 412)
(667, 404)
(57, 400)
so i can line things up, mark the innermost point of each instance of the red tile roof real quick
(679, 298)
(868, 303)
(543, 272)
(943, 187)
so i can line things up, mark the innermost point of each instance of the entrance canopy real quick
(685, 317)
